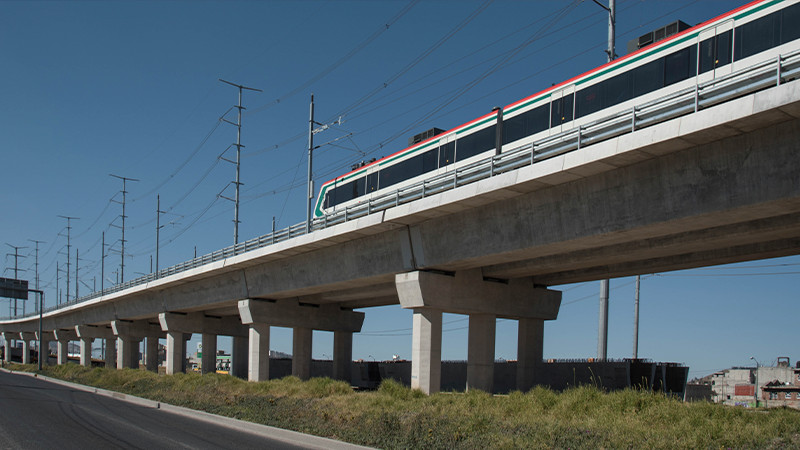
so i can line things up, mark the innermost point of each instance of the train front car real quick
(755, 33)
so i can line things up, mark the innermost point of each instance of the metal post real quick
(41, 309)
(636, 321)
(16, 274)
(102, 262)
(755, 390)
(36, 263)
(158, 226)
(239, 146)
(77, 284)
(58, 289)
(69, 227)
(602, 338)
(310, 193)
(122, 241)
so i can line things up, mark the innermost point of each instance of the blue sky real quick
(131, 88)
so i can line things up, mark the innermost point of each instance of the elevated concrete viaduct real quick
(718, 186)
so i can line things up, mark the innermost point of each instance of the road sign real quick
(12, 288)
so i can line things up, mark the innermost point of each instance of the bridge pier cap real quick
(467, 292)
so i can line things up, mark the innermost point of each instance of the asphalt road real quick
(38, 414)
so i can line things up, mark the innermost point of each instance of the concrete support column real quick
(209, 359)
(44, 352)
(111, 353)
(426, 350)
(7, 352)
(258, 352)
(530, 348)
(127, 352)
(62, 351)
(343, 356)
(86, 351)
(176, 352)
(151, 354)
(239, 356)
(301, 353)
(480, 352)
(26, 351)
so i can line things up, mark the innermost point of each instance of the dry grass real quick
(397, 417)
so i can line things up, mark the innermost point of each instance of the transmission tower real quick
(69, 227)
(122, 252)
(16, 256)
(36, 268)
(239, 146)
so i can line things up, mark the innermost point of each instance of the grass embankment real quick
(397, 417)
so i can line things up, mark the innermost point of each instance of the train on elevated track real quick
(667, 60)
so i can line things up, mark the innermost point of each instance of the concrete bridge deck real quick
(718, 186)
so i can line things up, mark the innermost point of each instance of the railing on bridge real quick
(680, 103)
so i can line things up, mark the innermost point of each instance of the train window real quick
(648, 78)
(561, 110)
(430, 160)
(617, 90)
(526, 124)
(372, 182)
(447, 154)
(790, 24)
(756, 36)
(679, 65)
(589, 100)
(715, 52)
(475, 143)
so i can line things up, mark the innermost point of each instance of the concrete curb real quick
(288, 436)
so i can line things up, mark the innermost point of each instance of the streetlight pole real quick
(755, 391)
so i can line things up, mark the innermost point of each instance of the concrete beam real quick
(468, 293)
(292, 314)
(46, 336)
(197, 322)
(94, 332)
(65, 334)
(139, 329)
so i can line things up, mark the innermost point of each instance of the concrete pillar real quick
(530, 349)
(62, 352)
(7, 352)
(426, 350)
(258, 352)
(480, 352)
(301, 352)
(44, 352)
(111, 353)
(151, 354)
(239, 356)
(26, 351)
(343, 356)
(176, 352)
(209, 358)
(127, 352)
(86, 351)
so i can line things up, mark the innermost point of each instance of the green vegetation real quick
(397, 417)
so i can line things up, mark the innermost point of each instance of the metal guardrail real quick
(686, 101)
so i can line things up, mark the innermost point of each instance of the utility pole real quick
(602, 339)
(102, 261)
(77, 264)
(311, 132)
(239, 146)
(16, 273)
(122, 253)
(58, 289)
(636, 320)
(36, 267)
(158, 225)
(69, 227)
